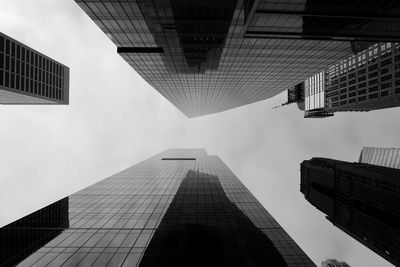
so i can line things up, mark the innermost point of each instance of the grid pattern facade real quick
(362, 200)
(168, 211)
(29, 77)
(209, 56)
(314, 91)
(387, 157)
(366, 81)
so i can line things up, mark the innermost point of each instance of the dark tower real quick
(361, 199)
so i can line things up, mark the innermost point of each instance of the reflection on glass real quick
(202, 227)
(22, 237)
(160, 206)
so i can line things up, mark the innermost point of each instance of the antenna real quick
(281, 105)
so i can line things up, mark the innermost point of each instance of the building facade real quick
(29, 77)
(387, 157)
(369, 80)
(181, 207)
(209, 56)
(363, 200)
(334, 263)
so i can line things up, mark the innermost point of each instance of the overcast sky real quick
(115, 119)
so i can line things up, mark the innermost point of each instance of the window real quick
(18, 51)
(373, 89)
(13, 49)
(7, 46)
(386, 85)
(362, 85)
(372, 82)
(386, 62)
(387, 77)
(373, 67)
(1, 43)
(12, 80)
(373, 74)
(6, 79)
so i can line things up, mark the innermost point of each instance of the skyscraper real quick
(387, 157)
(207, 56)
(181, 207)
(29, 77)
(363, 200)
(369, 80)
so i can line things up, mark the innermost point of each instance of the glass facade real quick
(181, 207)
(363, 200)
(29, 77)
(209, 56)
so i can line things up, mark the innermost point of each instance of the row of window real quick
(352, 99)
(367, 57)
(33, 73)
(17, 82)
(16, 52)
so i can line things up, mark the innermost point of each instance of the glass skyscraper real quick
(181, 207)
(207, 56)
(29, 77)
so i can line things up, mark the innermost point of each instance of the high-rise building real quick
(387, 157)
(29, 77)
(207, 56)
(363, 200)
(334, 263)
(181, 207)
(369, 80)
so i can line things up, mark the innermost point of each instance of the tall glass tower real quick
(181, 207)
(207, 56)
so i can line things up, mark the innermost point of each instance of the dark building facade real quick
(181, 207)
(361, 199)
(209, 56)
(29, 77)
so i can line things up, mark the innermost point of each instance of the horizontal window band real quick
(140, 50)
(360, 14)
(320, 36)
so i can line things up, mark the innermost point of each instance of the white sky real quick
(115, 119)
